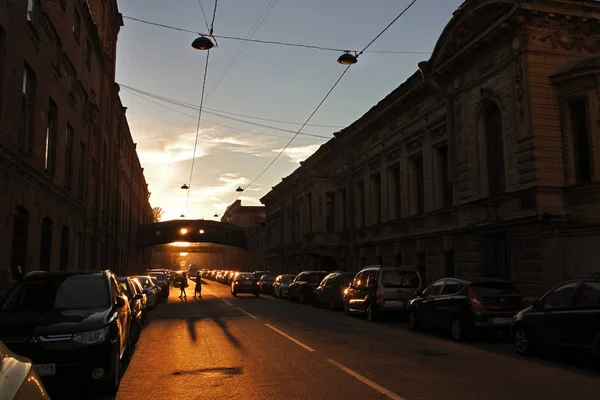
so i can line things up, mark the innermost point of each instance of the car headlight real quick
(91, 337)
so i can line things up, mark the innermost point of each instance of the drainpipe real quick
(426, 73)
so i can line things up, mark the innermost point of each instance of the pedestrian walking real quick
(184, 284)
(5, 281)
(198, 288)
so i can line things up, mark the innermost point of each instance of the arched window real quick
(19, 241)
(494, 149)
(64, 248)
(77, 255)
(46, 245)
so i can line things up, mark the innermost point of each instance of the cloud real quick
(299, 153)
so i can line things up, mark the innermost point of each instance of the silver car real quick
(281, 285)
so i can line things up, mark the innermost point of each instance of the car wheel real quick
(234, 293)
(522, 342)
(412, 321)
(457, 329)
(371, 313)
(346, 308)
(112, 383)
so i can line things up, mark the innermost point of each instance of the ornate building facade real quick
(72, 191)
(483, 163)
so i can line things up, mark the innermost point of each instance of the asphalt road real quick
(223, 347)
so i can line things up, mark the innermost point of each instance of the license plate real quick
(394, 304)
(45, 369)
(502, 320)
(247, 283)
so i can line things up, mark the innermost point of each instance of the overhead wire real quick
(241, 48)
(217, 112)
(212, 24)
(204, 15)
(135, 93)
(326, 96)
(274, 42)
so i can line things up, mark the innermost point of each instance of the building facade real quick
(72, 191)
(483, 163)
(252, 218)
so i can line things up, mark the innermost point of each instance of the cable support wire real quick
(327, 95)
(274, 42)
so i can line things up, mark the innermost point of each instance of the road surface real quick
(241, 348)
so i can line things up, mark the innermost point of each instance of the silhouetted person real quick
(184, 284)
(198, 288)
(6, 281)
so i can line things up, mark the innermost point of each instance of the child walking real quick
(198, 289)
(183, 286)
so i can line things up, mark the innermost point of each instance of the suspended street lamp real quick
(185, 187)
(216, 215)
(347, 59)
(182, 216)
(239, 189)
(202, 43)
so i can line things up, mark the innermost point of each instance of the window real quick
(77, 255)
(68, 156)
(81, 177)
(27, 110)
(64, 248)
(451, 287)
(449, 268)
(94, 167)
(492, 126)
(372, 277)
(581, 141)
(444, 187)
(360, 204)
(417, 186)
(72, 79)
(496, 260)
(46, 245)
(76, 25)
(19, 241)
(589, 295)
(2, 62)
(398, 259)
(330, 211)
(33, 10)
(561, 296)
(395, 278)
(376, 198)
(342, 208)
(395, 204)
(88, 54)
(51, 128)
(434, 289)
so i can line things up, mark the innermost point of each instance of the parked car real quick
(304, 284)
(71, 324)
(331, 290)
(136, 304)
(379, 290)
(266, 283)
(163, 283)
(245, 282)
(144, 300)
(462, 306)
(567, 317)
(261, 273)
(18, 379)
(149, 290)
(281, 285)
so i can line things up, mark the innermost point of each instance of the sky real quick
(256, 83)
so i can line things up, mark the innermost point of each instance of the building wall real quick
(497, 98)
(74, 66)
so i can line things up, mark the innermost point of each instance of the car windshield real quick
(246, 276)
(59, 293)
(316, 278)
(268, 278)
(396, 278)
(158, 276)
(145, 282)
(493, 288)
(286, 279)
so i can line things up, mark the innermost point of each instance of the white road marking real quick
(247, 313)
(299, 343)
(367, 382)
(226, 302)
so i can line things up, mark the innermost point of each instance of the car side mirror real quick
(121, 302)
(537, 303)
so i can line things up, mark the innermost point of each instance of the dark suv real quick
(304, 285)
(71, 324)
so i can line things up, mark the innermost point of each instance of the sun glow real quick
(180, 244)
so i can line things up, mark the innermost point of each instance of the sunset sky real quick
(267, 82)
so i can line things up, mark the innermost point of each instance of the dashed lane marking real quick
(299, 343)
(247, 313)
(367, 381)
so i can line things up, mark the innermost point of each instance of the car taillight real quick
(237, 282)
(378, 293)
(473, 300)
